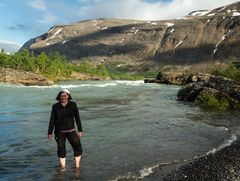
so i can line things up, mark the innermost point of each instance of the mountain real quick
(201, 37)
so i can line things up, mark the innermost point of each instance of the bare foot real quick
(77, 174)
(62, 170)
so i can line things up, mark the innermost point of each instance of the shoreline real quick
(213, 165)
(222, 164)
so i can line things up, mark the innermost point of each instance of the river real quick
(130, 129)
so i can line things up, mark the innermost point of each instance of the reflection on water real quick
(65, 174)
(131, 128)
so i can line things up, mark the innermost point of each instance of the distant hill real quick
(199, 38)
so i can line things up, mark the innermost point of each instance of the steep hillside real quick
(200, 37)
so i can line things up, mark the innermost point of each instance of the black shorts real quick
(73, 139)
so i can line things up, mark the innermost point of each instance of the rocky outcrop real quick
(22, 77)
(198, 38)
(218, 92)
(178, 78)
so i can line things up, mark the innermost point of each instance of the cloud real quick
(38, 4)
(48, 19)
(146, 10)
(18, 27)
(9, 46)
(48, 16)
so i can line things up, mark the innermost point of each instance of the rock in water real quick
(217, 92)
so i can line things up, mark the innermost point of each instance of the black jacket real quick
(62, 118)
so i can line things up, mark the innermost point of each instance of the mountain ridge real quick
(201, 37)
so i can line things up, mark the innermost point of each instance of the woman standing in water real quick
(63, 115)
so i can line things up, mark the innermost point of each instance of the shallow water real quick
(129, 129)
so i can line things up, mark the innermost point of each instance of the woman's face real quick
(64, 97)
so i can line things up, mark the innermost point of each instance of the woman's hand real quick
(49, 137)
(80, 134)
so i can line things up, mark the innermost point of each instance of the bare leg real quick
(77, 161)
(62, 162)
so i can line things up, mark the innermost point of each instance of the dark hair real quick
(58, 96)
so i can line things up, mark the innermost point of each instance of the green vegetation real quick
(148, 74)
(121, 73)
(209, 101)
(55, 66)
(232, 70)
(120, 76)
(90, 69)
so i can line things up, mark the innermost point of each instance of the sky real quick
(22, 20)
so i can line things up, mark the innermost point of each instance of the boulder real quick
(217, 92)
(177, 78)
(229, 86)
(216, 99)
(190, 92)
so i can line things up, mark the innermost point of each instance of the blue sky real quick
(22, 20)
